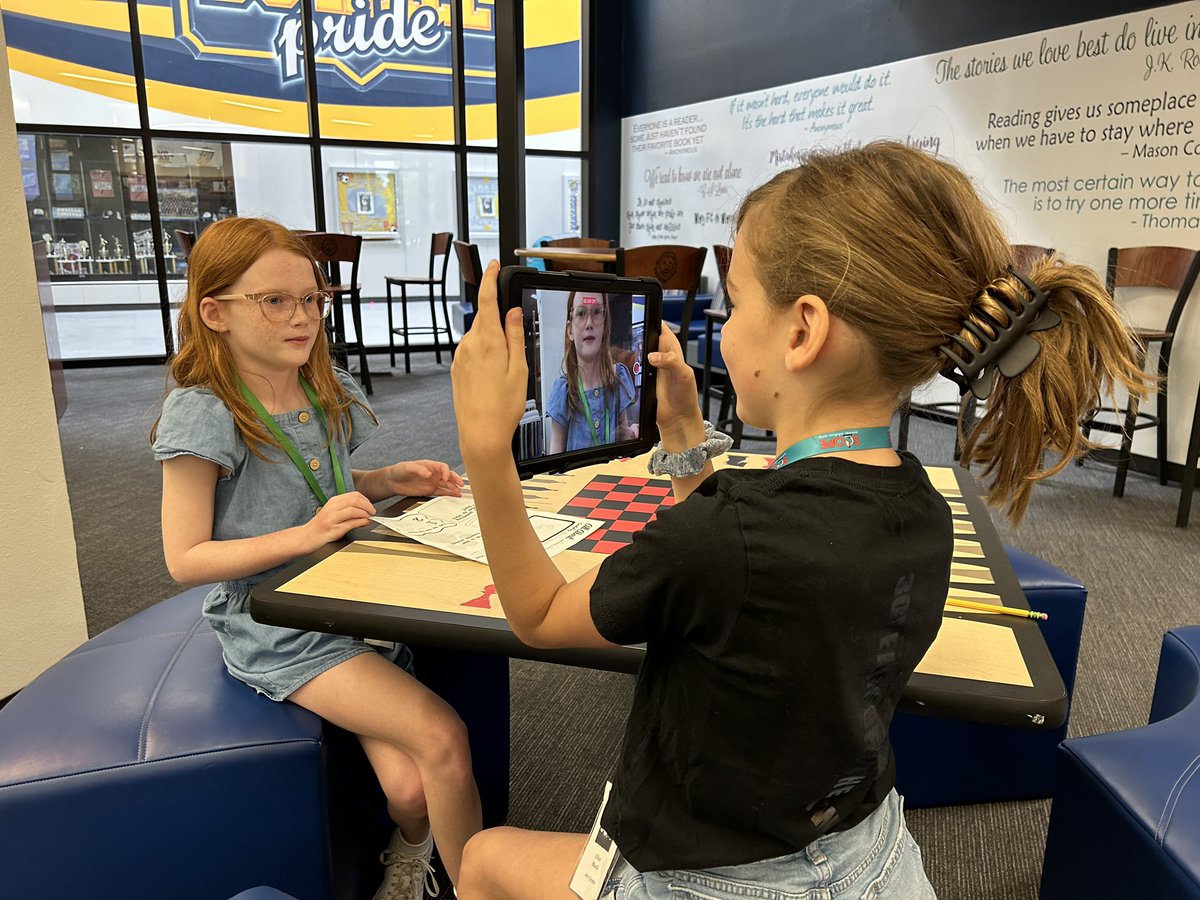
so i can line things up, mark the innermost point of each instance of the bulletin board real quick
(367, 202)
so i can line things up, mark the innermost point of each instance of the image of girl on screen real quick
(590, 403)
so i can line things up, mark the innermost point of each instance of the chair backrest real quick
(185, 239)
(577, 242)
(1027, 254)
(330, 249)
(677, 268)
(723, 254)
(1174, 268)
(439, 245)
(471, 269)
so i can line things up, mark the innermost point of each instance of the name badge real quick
(599, 857)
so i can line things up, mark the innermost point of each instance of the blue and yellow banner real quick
(383, 66)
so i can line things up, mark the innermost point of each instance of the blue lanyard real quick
(876, 438)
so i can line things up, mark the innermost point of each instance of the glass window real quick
(483, 224)
(224, 66)
(87, 204)
(86, 199)
(384, 71)
(71, 64)
(479, 71)
(553, 35)
(200, 182)
(396, 199)
(553, 188)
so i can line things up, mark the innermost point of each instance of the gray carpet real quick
(1140, 571)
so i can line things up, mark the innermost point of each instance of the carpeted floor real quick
(567, 722)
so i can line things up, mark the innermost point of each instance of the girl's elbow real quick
(181, 573)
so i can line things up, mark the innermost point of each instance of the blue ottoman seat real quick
(137, 767)
(1125, 821)
(943, 762)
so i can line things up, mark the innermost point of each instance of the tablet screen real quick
(586, 350)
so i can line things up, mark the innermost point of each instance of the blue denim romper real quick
(253, 498)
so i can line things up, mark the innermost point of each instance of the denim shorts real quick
(875, 858)
(276, 661)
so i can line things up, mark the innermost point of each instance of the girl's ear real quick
(212, 314)
(807, 323)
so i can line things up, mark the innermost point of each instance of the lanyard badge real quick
(835, 441)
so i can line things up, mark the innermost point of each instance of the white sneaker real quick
(408, 874)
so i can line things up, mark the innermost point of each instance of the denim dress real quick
(603, 406)
(256, 497)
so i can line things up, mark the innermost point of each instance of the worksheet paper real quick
(450, 524)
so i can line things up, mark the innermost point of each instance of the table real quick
(569, 254)
(983, 667)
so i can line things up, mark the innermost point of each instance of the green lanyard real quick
(591, 422)
(289, 448)
(833, 441)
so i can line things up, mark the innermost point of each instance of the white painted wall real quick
(41, 601)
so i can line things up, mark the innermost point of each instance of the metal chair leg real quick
(1160, 431)
(449, 330)
(1188, 481)
(364, 370)
(1126, 448)
(391, 328)
(404, 316)
(437, 329)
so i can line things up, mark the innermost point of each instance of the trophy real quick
(103, 247)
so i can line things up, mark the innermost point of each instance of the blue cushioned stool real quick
(137, 767)
(943, 762)
(1125, 821)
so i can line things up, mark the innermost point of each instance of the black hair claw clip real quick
(1011, 350)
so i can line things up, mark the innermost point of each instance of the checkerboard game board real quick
(625, 503)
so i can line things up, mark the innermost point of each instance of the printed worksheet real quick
(450, 524)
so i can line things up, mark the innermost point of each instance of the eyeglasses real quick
(277, 306)
(579, 313)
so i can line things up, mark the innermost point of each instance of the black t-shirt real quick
(783, 613)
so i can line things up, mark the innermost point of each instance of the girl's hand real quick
(488, 377)
(421, 478)
(341, 514)
(676, 389)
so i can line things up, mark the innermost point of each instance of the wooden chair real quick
(185, 239)
(439, 246)
(950, 411)
(471, 270)
(1174, 268)
(677, 268)
(587, 242)
(331, 251)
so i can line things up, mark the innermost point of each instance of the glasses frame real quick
(263, 295)
(596, 314)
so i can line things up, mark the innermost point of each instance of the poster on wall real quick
(1081, 138)
(483, 204)
(102, 182)
(366, 201)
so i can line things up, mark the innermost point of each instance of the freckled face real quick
(257, 342)
(748, 341)
(585, 325)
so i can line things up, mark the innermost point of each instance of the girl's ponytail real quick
(1082, 359)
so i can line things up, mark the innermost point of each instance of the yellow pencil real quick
(991, 607)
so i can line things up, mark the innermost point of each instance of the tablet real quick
(590, 396)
